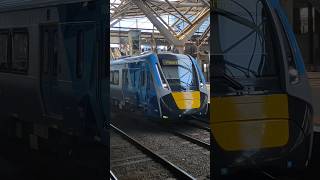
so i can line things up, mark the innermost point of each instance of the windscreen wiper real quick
(238, 19)
(218, 73)
(233, 83)
(240, 68)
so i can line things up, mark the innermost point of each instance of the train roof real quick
(15, 5)
(172, 55)
(136, 58)
(129, 59)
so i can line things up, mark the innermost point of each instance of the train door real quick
(151, 97)
(125, 86)
(49, 69)
(143, 95)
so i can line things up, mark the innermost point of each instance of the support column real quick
(179, 49)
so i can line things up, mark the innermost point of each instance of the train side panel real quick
(20, 92)
(58, 92)
(135, 90)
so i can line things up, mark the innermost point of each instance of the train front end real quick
(261, 113)
(183, 92)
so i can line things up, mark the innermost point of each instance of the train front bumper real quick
(257, 132)
(290, 157)
(178, 106)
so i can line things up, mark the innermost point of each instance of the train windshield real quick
(180, 73)
(246, 51)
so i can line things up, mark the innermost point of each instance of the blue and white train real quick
(161, 86)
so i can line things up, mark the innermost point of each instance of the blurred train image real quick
(53, 77)
(161, 86)
(261, 105)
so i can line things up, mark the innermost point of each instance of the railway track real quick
(112, 176)
(205, 121)
(174, 169)
(189, 156)
(199, 125)
(186, 136)
(190, 138)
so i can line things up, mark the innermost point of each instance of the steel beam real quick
(115, 22)
(154, 20)
(182, 16)
(204, 37)
(196, 23)
(147, 8)
(206, 3)
(120, 10)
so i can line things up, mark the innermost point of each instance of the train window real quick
(142, 77)
(4, 44)
(20, 51)
(80, 54)
(116, 77)
(133, 77)
(246, 47)
(180, 73)
(125, 79)
(111, 77)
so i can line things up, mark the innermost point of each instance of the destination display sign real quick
(170, 62)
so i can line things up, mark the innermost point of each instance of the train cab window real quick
(246, 48)
(180, 73)
(20, 51)
(4, 44)
(80, 54)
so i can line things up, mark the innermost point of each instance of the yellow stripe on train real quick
(187, 100)
(250, 122)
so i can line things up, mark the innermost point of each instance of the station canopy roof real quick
(179, 17)
(127, 8)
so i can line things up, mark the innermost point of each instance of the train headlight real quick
(164, 85)
(293, 75)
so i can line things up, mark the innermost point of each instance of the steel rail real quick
(193, 123)
(201, 120)
(181, 174)
(112, 176)
(191, 139)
